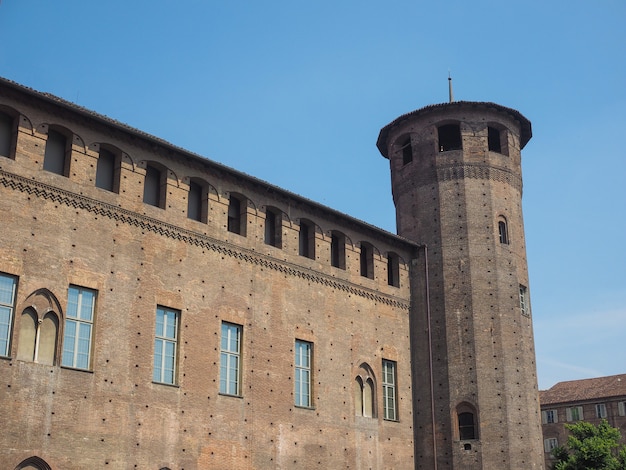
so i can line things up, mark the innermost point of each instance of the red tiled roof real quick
(586, 389)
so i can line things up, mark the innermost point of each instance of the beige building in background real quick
(589, 400)
(160, 310)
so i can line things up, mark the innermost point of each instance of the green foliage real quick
(591, 447)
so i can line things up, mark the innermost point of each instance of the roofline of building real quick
(525, 126)
(564, 400)
(107, 121)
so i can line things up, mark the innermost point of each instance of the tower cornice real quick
(525, 126)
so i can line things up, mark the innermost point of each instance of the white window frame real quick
(550, 443)
(390, 399)
(621, 408)
(549, 416)
(78, 331)
(165, 345)
(8, 287)
(303, 368)
(230, 359)
(601, 410)
(574, 413)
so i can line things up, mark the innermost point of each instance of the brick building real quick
(581, 400)
(160, 310)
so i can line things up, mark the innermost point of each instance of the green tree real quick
(591, 447)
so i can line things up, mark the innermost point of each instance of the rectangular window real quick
(338, 250)
(194, 201)
(549, 417)
(7, 134)
(621, 408)
(550, 444)
(523, 300)
(393, 270)
(165, 342)
(389, 390)
(54, 159)
(575, 413)
(601, 410)
(230, 359)
(106, 170)
(7, 305)
(306, 239)
(303, 373)
(152, 191)
(78, 327)
(273, 227)
(237, 215)
(493, 140)
(367, 260)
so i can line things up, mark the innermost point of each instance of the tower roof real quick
(525, 127)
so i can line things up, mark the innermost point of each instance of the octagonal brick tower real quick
(457, 187)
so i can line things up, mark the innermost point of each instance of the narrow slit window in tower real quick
(393, 270)
(503, 232)
(407, 152)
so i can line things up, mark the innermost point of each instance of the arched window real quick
(237, 207)
(365, 392)
(198, 200)
(466, 422)
(108, 169)
(38, 337)
(28, 331)
(449, 137)
(503, 231)
(306, 239)
(338, 249)
(33, 463)
(56, 156)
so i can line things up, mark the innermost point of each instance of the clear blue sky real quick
(296, 92)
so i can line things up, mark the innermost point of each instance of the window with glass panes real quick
(303, 373)
(78, 327)
(165, 342)
(7, 299)
(230, 359)
(389, 390)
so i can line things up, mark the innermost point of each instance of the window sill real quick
(89, 371)
(166, 384)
